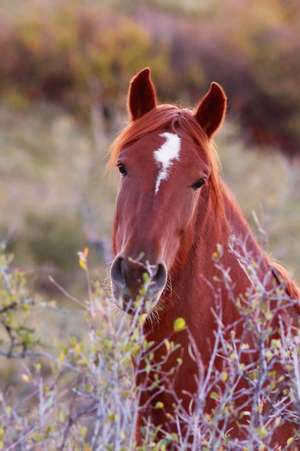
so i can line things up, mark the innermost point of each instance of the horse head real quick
(168, 168)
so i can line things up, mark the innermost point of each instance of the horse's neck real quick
(211, 259)
(197, 279)
(234, 241)
(237, 230)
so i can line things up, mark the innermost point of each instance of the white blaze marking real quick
(165, 156)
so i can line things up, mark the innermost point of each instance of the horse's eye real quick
(198, 183)
(122, 169)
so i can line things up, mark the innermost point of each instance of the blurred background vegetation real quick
(64, 72)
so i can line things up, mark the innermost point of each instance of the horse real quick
(173, 211)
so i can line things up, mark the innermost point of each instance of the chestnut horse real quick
(173, 210)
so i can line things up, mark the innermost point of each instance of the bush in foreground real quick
(83, 395)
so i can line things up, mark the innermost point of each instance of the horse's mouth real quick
(135, 305)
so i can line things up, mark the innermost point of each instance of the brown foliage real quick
(77, 54)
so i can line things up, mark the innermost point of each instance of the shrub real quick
(73, 54)
(82, 395)
(17, 337)
(54, 239)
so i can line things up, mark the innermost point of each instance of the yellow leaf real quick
(245, 413)
(215, 256)
(289, 441)
(224, 376)
(83, 431)
(275, 343)
(159, 405)
(142, 318)
(218, 253)
(61, 357)
(269, 354)
(83, 258)
(179, 324)
(262, 432)
(214, 395)
(244, 346)
(167, 344)
(62, 417)
(112, 417)
(25, 378)
(77, 348)
(82, 263)
(179, 361)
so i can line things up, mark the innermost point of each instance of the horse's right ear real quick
(141, 94)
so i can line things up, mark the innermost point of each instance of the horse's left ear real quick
(141, 94)
(210, 111)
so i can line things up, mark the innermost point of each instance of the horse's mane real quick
(283, 279)
(183, 122)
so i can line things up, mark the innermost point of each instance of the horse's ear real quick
(141, 94)
(210, 111)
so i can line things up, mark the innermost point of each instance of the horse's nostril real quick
(117, 271)
(160, 276)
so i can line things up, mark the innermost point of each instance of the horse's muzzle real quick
(137, 284)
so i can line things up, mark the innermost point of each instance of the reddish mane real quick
(283, 278)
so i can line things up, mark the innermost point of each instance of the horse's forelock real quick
(183, 122)
(149, 122)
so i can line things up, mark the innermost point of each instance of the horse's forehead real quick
(146, 146)
(165, 156)
(164, 149)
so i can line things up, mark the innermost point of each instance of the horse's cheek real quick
(185, 215)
